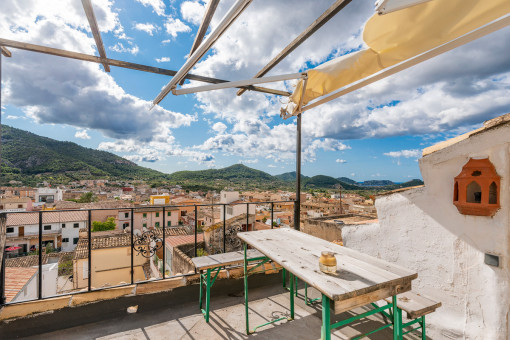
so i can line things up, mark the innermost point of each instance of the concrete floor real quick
(227, 321)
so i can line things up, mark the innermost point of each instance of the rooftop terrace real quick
(175, 315)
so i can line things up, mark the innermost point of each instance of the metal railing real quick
(143, 241)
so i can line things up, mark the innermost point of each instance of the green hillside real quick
(30, 158)
(235, 176)
(290, 177)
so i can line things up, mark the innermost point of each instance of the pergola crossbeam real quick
(224, 24)
(5, 52)
(124, 64)
(91, 17)
(238, 83)
(204, 25)
(318, 23)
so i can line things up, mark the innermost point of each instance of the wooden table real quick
(360, 279)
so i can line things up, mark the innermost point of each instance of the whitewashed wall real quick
(421, 229)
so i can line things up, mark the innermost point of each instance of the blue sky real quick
(374, 133)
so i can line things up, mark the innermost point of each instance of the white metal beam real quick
(333, 10)
(225, 23)
(462, 40)
(388, 6)
(238, 83)
(91, 17)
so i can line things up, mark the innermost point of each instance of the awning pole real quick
(297, 203)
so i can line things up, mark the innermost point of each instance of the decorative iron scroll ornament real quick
(147, 244)
(231, 239)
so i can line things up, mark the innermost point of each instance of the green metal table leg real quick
(291, 285)
(284, 277)
(296, 282)
(423, 336)
(207, 294)
(326, 322)
(397, 320)
(246, 290)
(201, 287)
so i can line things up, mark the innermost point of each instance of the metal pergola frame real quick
(197, 51)
(200, 47)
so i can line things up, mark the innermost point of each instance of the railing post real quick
(297, 202)
(3, 253)
(89, 238)
(132, 248)
(272, 216)
(164, 249)
(248, 216)
(224, 228)
(196, 229)
(39, 274)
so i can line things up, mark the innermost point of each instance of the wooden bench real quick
(212, 264)
(416, 306)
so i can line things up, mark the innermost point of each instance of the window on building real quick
(169, 223)
(144, 215)
(157, 224)
(47, 227)
(125, 225)
(145, 225)
(63, 225)
(20, 206)
(65, 239)
(169, 213)
(1, 206)
(157, 214)
(10, 230)
(75, 240)
(126, 215)
(76, 225)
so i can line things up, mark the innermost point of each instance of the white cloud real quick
(175, 26)
(163, 60)
(120, 48)
(82, 134)
(353, 174)
(219, 127)
(249, 161)
(13, 117)
(147, 28)
(415, 153)
(192, 11)
(158, 6)
(338, 160)
(166, 41)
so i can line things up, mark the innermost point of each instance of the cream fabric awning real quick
(396, 37)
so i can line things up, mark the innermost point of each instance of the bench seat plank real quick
(415, 305)
(225, 259)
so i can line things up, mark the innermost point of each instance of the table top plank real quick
(225, 259)
(299, 253)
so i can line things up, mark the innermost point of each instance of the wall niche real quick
(476, 188)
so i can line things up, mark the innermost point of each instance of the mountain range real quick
(31, 159)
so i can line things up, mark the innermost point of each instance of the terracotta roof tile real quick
(27, 218)
(16, 279)
(174, 241)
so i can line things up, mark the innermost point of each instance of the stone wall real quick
(181, 259)
(322, 228)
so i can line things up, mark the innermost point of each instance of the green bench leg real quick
(397, 320)
(201, 288)
(423, 335)
(291, 278)
(207, 294)
(326, 322)
(246, 290)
